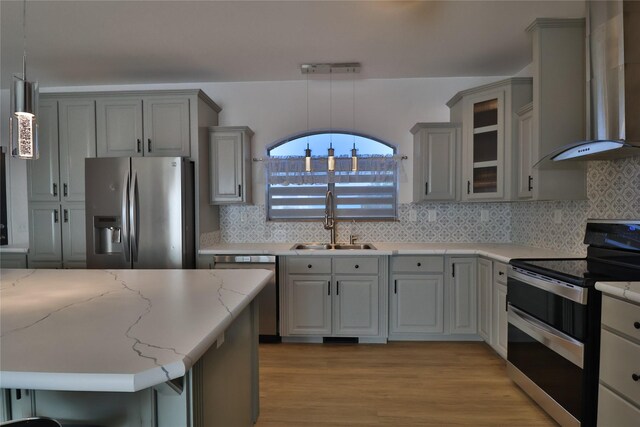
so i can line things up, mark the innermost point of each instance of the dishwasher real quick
(268, 305)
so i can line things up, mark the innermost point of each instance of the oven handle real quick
(567, 347)
(567, 291)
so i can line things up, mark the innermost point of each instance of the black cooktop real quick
(577, 271)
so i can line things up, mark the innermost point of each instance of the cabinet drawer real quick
(309, 265)
(355, 265)
(615, 411)
(417, 264)
(621, 316)
(500, 272)
(619, 362)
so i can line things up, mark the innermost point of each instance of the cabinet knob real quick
(419, 264)
(636, 325)
(635, 377)
(309, 266)
(500, 273)
(357, 266)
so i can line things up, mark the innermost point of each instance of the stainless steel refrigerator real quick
(140, 212)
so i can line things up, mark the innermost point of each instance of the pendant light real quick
(354, 158)
(23, 126)
(354, 152)
(331, 160)
(307, 159)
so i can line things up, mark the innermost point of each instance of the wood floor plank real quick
(397, 384)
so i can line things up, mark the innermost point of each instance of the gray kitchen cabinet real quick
(462, 295)
(44, 173)
(355, 305)
(56, 182)
(309, 304)
(489, 138)
(484, 284)
(619, 390)
(230, 164)
(45, 235)
(13, 260)
(556, 116)
(130, 126)
(340, 296)
(434, 151)
(499, 323)
(416, 297)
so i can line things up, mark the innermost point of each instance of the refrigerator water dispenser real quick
(108, 236)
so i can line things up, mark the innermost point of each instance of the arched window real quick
(296, 191)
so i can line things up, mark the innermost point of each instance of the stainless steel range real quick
(554, 320)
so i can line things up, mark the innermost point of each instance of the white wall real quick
(384, 108)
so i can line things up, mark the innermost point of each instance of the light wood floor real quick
(397, 384)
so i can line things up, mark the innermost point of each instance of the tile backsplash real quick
(613, 189)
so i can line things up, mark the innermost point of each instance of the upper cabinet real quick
(434, 151)
(155, 125)
(67, 137)
(489, 137)
(230, 164)
(557, 114)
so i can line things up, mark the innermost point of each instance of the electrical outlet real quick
(557, 216)
(484, 215)
(432, 215)
(413, 215)
(243, 216)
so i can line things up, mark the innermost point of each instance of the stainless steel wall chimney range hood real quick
(613, 73)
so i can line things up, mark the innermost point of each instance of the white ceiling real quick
(133, 42)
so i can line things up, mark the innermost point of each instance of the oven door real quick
(545, 344)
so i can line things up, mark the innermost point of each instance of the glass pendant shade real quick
(331, 160)
(307, 159)
(23, 125)
(354, 159)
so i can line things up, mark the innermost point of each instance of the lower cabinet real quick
(485, 278)
(499, 309)
(57, 235)
(462, 297)
(13, 260)
(341, 296)
(417, 304)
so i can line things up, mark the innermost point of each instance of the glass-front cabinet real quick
(483, 151)
(488, 165)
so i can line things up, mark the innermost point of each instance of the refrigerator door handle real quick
(125, 217)
(133, 217)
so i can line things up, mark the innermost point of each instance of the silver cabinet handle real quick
(65, 189)
(65, 215)
(55, 189)
(530, 183)
(55, 215)
(124, 211)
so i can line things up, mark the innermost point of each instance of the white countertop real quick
(113, 330)
(499, 251)
(15, 249)
(625, 290)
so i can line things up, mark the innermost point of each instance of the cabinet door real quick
(463, 318)
(74, 242)
(226, 167)
(355, 305)
(119, 127)
(525, 169)
(309, 304)
(439, 162)
(77, 126)
(166, 126)
(483, 147)
(44, 172)
(500, 319)
(44, 232)
(485, 278)
(417, 304)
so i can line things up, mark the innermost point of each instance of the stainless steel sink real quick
(329, 246)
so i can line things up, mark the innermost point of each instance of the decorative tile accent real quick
(455, 222)
(613, 192)
(208, 239)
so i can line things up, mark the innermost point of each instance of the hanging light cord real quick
(24, 40)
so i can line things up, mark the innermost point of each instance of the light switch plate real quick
(432, 215)
(484, 215)
(413, 215)
(557, 216)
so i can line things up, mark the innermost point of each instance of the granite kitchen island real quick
(130, 347)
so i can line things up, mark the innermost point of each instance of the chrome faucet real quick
(329, 215)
